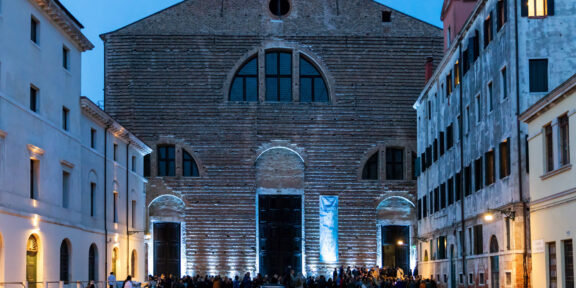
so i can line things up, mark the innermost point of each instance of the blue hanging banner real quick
(329, 229)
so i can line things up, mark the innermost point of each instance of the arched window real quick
(370, 171)
(65, 261)
(245, 85)
(115, 261)
(32, 249)
(166, 160)
(493, 244)
(93, 263)
(312, 85)
(279, 76)
(133, 264)
(189, 166)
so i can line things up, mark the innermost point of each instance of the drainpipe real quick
(462, 174)
(106, 200)
(519, 147)
(127, 209)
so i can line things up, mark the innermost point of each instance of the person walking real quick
(128, 282)
(112, 280)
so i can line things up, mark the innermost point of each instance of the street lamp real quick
(507, 213)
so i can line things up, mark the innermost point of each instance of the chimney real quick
(429, 68)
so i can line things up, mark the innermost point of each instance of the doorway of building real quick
(280, 226)
(452, 267)
(494, 262)
(32, 261)
(395, 247)
(167, 248)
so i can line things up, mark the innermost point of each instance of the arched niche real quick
(166, 208)
(280, 170)
(396, 210)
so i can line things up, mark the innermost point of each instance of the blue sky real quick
(103, 16)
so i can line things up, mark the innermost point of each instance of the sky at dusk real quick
(103, 16)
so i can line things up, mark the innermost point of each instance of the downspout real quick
(127, 209)
(519, 148)
(462, 173)
(106, 199)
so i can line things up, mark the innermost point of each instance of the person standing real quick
(112, 280)
(128, 282)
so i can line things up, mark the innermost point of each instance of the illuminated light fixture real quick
(488, 217)
(34, 203)
(35, 220)
(116, 237)
(400, 242)
(147, 236)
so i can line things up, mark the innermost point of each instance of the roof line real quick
(69, 14)
(407, 15)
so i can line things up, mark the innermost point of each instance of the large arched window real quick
(282, 74)
(65, 261)
(245, 85)
(189, 166)
(279, 76)
(32, 249)
(312, 85)
(93, 263)
(370, 170)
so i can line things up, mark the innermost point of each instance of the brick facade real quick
(167, 80)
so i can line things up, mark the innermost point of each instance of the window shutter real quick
(550, 7)
(471, 51)
(524, 5)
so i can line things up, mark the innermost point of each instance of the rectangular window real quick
(115, 207)
(34, 30)
(435, 148)
(415, 166)
(34, 92)
(490, 167)
(468, 180)
(508, 278)
(134, 213)
(424, 206)
(504, 83)
(538, 8)
(568, 263)
(478, 174)
(471, 279)
(65, 118)
(467, 128)
(458, 187)
(449, 136)
(549, 144)
(476, 45)
(508, 234)
(166, 160)
(481, 279)
(443, 195)
(450, 191)
(563, 134)
(115, 152)
(478, 240)
(147, 165)
(505, 158)
(133, 163)
(92, 199)
(279, 76)
(429, 110)
(488, 30)
(394, 163)
(419, 209)
(490, 97)
(65, 57)
(478, 108)
(538, 75)
(93, 138)
(502, 10)
(448, 84)
(442, 141)
(65, 189)
(34, 167)
(552, 271)
(436, 200)
(441, 247)
(457, 73)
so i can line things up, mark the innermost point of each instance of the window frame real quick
(548, 148)
(194, 171)
(65, 118)
(244, 78)
(65, 57)
(34, 30)
(313, 78)
(395, 164)
(370, 161)
(563, 140)
(168, 162)
(535, 73)
(34, 99)
(278, 76)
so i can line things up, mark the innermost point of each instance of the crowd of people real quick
(363, 277)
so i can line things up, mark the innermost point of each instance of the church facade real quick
(283, 132)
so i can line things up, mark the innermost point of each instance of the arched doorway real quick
(279, 187)
(32, 250)
(395, 215)
(166, 213)
(133, 261)
(93, 263)
(452, 267)
(115, 261)
(494, 262)
(65, 261)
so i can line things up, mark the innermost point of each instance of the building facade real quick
(71, 180)
(283, 132)
(473, 192)
(551, 138)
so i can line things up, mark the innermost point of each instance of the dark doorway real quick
(167, 248)
(395, 247)
(280, 226)
(494, 262)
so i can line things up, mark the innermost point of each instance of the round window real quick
(279, 7)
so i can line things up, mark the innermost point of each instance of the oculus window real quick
(279, 7)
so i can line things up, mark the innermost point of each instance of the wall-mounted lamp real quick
(507, 213)
(135, 232)
(400, 242)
